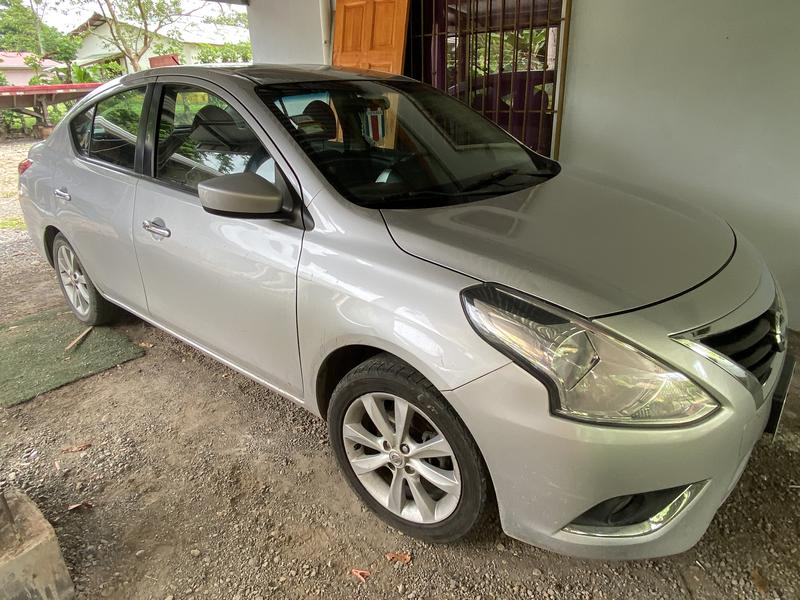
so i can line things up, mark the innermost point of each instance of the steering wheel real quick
(394, 173)
(255, 162)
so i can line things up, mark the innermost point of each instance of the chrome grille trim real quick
(752, 345)
(759, 343)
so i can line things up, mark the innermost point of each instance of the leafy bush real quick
(227, 53)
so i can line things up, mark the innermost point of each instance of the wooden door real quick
(370, 34)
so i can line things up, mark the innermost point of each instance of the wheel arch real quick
(341, 360)
(50, 233)
(334, 367)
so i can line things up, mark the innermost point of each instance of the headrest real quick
(212, 125)
(322, 114)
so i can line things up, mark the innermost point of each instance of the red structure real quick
(33, 100)
(31, 96)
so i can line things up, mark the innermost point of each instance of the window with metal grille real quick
(501, 57)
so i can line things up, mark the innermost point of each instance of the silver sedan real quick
(482, 329)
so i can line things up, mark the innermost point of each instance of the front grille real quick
(752, 345)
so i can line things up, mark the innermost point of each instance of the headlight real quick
(598, 378)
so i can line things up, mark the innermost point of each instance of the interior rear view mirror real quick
(242, 195)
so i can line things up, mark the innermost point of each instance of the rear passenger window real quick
(116, 127)
(81, 129)
(201, 136)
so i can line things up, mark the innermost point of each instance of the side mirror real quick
(242, 195)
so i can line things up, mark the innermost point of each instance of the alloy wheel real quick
(74, 280)
(401, 458)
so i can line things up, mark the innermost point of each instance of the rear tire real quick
(82, 297)
(428, 480)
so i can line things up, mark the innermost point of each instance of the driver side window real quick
(201, 136)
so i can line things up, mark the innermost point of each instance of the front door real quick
(225, 283)
(370, 34)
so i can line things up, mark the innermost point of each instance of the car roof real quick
(266, 74)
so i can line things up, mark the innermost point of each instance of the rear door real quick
(225, 283)
(94, 185)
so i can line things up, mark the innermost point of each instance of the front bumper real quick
(547, 470)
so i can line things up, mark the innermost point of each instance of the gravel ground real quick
(201, 484)
(11, 154)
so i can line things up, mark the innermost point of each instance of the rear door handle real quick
(62, 194)
(156, 228)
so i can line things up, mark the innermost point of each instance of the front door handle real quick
(62, 194)
(156, 227)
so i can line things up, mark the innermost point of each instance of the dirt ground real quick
(202, 484)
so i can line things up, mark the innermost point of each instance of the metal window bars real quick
(501, 57)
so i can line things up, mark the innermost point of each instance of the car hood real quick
(587, 247)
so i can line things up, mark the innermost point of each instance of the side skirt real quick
(208, 352)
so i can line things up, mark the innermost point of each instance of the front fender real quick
(355, 286)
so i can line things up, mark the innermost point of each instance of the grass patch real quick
(12, 223)
(33, 361)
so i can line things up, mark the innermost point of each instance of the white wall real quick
(96, 44)
(287, 31)
(695, 100)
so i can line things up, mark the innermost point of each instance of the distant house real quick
(187, 36)
(12, 65)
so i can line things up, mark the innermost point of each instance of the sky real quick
(62, 15)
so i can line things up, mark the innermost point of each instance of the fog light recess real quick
(634, 514)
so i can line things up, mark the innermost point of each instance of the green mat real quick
(33, 360)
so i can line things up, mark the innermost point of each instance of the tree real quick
(18, 27)
(104, 71)
(226, 53)
(166, 46)
(63, 49)
(135, 26)
(233, 18)
(37, 23)
(22, 30)
(525, 46)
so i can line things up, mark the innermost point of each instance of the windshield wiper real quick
(476, 189)
(412, 194)
(502, 174)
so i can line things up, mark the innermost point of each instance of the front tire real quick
(82, 297)
(406, 453)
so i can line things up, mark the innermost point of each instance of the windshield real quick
(403, 144)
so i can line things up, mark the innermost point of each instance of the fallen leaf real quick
(759, 580)
(146, 344)
(360, 574)
(401, 557)
(84, 504)
(78, 448)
